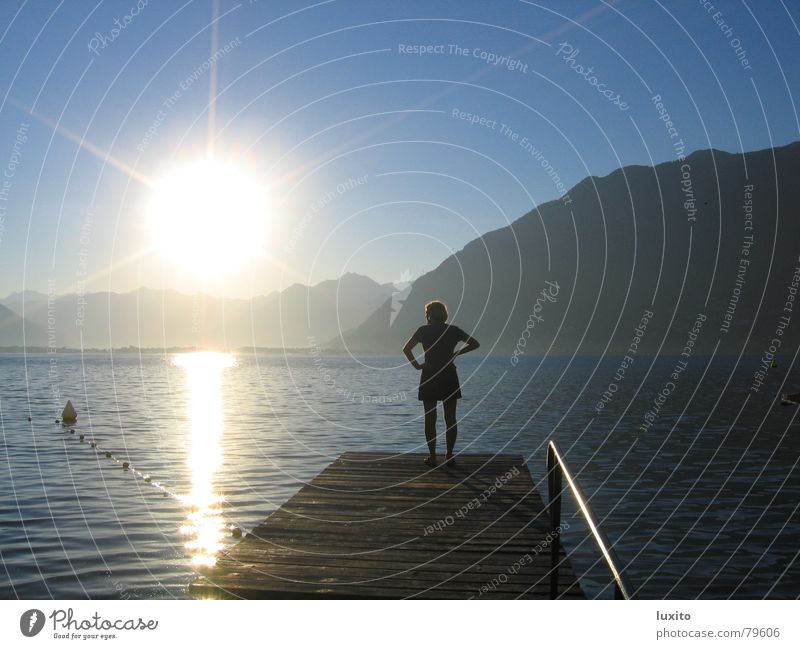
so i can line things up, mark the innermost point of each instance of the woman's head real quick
(436, 312)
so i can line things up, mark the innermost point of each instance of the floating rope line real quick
(233, 528)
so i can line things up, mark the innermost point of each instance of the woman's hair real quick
(436, 311)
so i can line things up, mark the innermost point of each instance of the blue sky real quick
(362, 139)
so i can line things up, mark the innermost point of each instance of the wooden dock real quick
(380, 525)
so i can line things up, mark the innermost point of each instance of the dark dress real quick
(439, 379)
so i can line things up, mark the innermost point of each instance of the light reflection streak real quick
(204, 525)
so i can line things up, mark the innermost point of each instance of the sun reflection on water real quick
(204, 524)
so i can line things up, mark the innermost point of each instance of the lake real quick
(695, 479)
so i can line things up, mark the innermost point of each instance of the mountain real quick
(296, 317)
(15, 300)
(714, 238)
(12, 326)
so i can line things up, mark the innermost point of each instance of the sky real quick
(387, 135)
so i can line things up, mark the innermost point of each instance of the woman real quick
(439, 379)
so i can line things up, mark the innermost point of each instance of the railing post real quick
(554, 507)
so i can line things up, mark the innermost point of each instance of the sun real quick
(208, 217)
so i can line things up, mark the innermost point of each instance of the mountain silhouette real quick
(665, 240)
(12, 326)
(165, 318)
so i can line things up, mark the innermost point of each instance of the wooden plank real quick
(385, 525)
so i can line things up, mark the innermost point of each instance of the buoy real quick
(790, 399)
(69, 415)
(125, 465)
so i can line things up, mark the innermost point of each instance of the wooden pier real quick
(381, 525)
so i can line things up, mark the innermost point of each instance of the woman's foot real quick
(430, 461)
(450, 461)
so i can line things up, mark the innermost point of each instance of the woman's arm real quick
(471, 345)
(412, 342)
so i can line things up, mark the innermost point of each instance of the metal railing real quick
(556, 469)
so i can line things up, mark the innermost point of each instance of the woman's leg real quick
(430, 427)
(450, 422)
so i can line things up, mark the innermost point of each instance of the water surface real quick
(703, 502)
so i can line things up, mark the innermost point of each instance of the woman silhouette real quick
(439, 379)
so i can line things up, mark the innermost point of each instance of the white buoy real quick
(69, 415)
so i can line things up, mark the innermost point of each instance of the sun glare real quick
(208, 217)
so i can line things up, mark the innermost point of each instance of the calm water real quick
(702, 504)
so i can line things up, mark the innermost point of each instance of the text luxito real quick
(677, 615)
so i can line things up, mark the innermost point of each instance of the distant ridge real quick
(611, 269)
(13, 330)
(150, 318)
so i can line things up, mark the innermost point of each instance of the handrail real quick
(556, 468)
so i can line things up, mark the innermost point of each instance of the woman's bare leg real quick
(450, 422)
(430, 428)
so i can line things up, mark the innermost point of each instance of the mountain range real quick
(703, 251)
(298, 316)
(713, 238)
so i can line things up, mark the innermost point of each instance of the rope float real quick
(70, 416)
